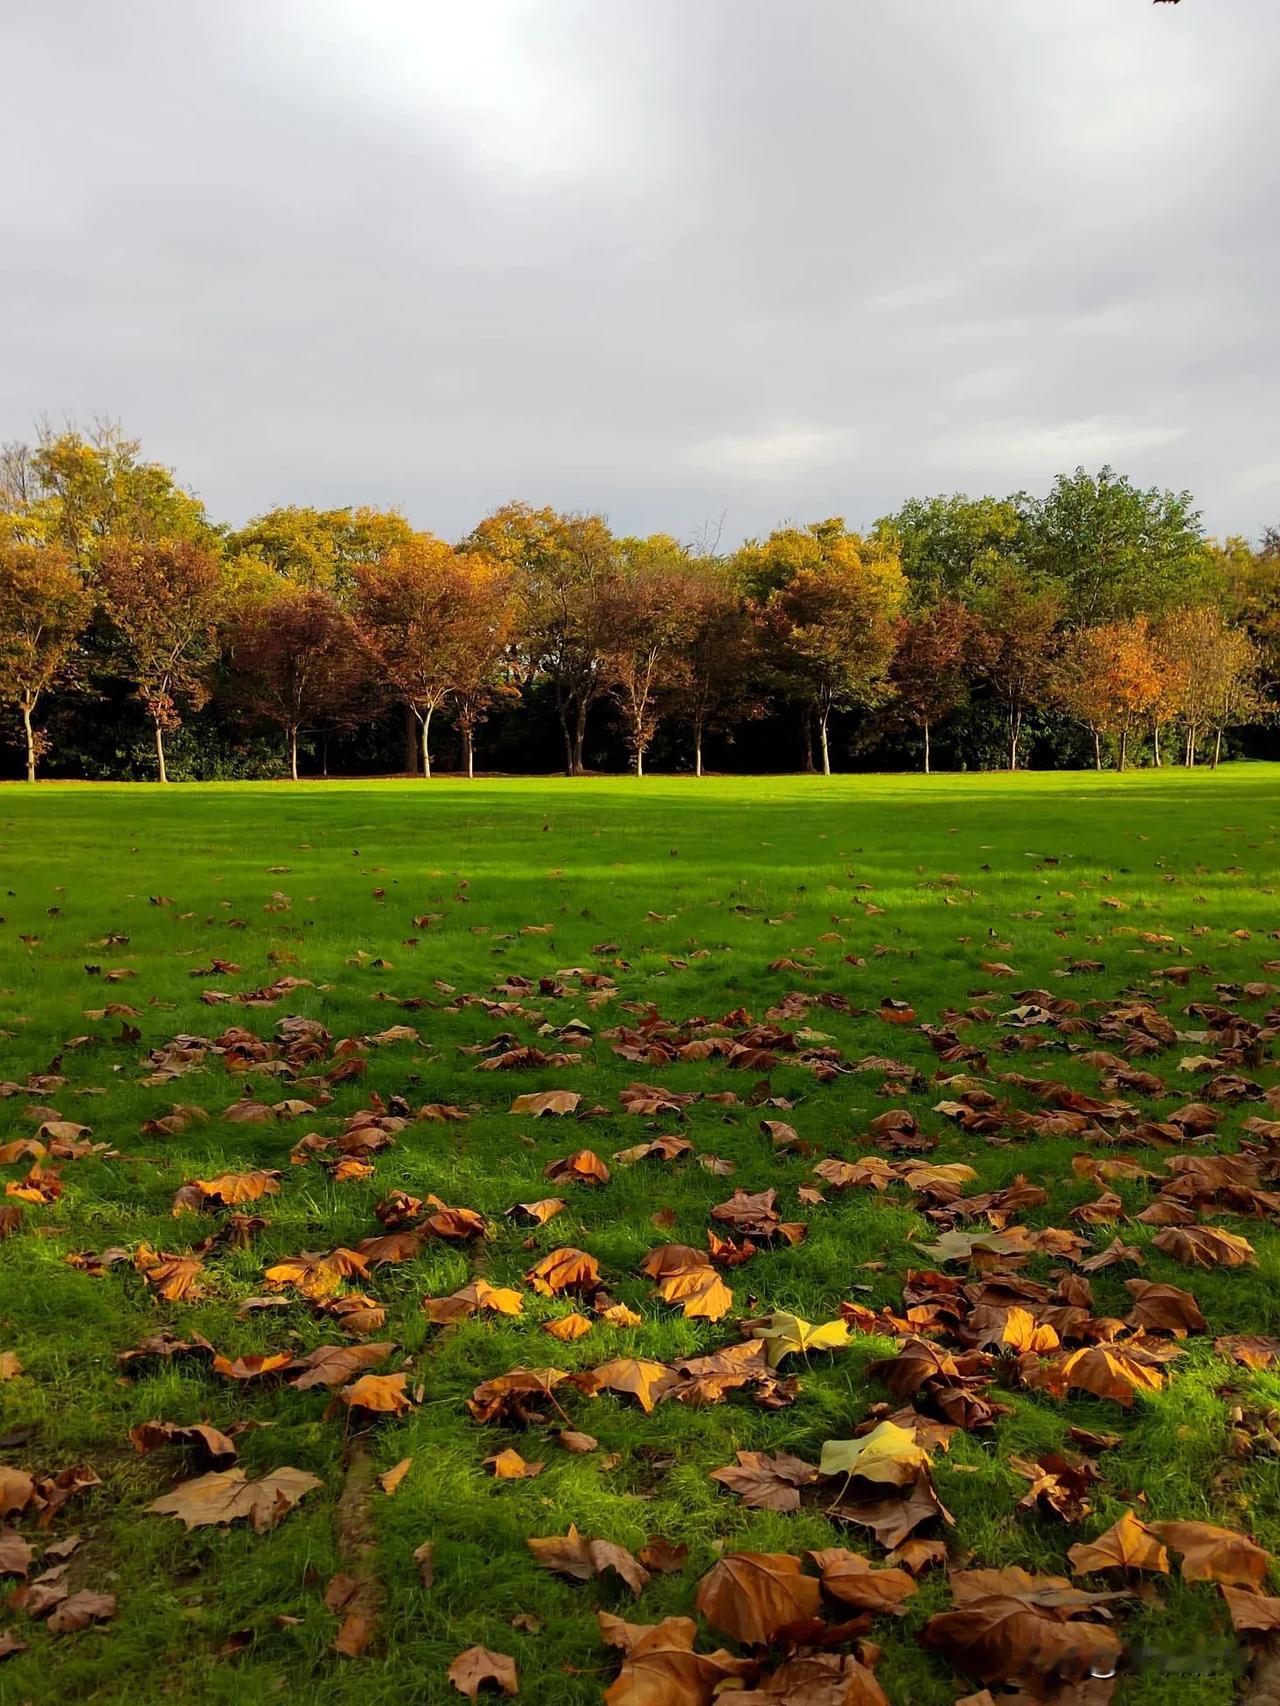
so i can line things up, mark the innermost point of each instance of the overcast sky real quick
(671, 259)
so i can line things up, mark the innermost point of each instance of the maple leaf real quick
(1210, 1554)
(378, 1392)
(500, 1300)
(646, 1382)
(660, 1667)
(225, 1496)
(767, 1483)
(508, 1465)
(1251, 1613)
(1161, 1308)
(541, 1102)
(855, 1581)
(749, 1596)
(788, 1335)
(235, 1188)
(583, 1167)
(888, 1453)
(513, 1395)
(699, 1290)
(567, 1327)
(1127, 1545)
(332, 1365)
(1205, 1247)
(564, 1270)
(478, 1666)
(581, 1558)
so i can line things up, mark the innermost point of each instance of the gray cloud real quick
(669, 260)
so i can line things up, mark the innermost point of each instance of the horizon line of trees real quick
(1095, 624)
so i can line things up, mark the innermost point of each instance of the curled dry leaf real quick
(580, 1558)
(564, 1270)
(660, 1667)
(1205, 1247)
(382, 1393)
(478, 1667)
(855, 1581)
(767, 1483)
(540, 1102)
(646, 1382)
(1210, 1554)
(583, 1167)
(1127, 1545)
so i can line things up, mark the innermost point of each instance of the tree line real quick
(1097, 623)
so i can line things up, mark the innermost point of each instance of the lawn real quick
(712, 901)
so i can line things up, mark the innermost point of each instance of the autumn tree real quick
(45, 606)
(86, 491)
(1015, 647)
(321, 549)
(485, 669)
(1109, 679)
(565, 569)
(414, 607)
(648, 622)
(934, 659)
(163, 599)
(296, 661)
(717, 682)
(834, 626)
(1216, 668)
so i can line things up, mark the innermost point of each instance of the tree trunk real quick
(577, 767)
(162, 773)
(1155, 743)
(697, 748)
(1097, 750)
(324, 755)
(826, 750)
(425, 722)
(1124, 747)
(293, 753)
(639, 761)
(468, 752)
(29, 732)
(1189, 752)
(1015, 729)
(926, 749)
(806, 724)
(1217, 750)
(410, 742)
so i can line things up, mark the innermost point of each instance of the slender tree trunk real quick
(410, 741)
(324, 755)
(468, 752)
(697, 746)
(29, 732)
(1189, 754)
(1155, 743)
(639, 761)
(1124, 746)
(1097, 750)
(579, 740)
(425, 722)
(1015, 729)
(293, 753)
(1217, 750)
(826, 750)
(926, 749)
(162, 773)
(806, 724)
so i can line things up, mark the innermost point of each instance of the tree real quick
(933, 663)
(566, 566)
(297, 661)
(1215, 667)
(715, 686)
(1015, 647)
(833, 627)
(44, 609)
(86, 491)
(413, 607)
(648, 622)
(1111, 550)
(163, 599)
(952, 546)
(1109, 679)
(321, 549)
(484, 670)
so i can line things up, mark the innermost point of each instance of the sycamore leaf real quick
(1126, 1545)
(564, 1270)
(580, 1558)
(378, 1392)
(660, 1667)
(646, 1382)
(767, 1483)
(478, 1666)
(787, 1335)
(749, 1596)
(855, 1581)
(1210, 1554)
(888, 1453)
(1205, 1247)
(540, 1102)
(228, 1495)
(1251, 1613)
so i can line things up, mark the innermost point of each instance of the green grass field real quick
(684, 894)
